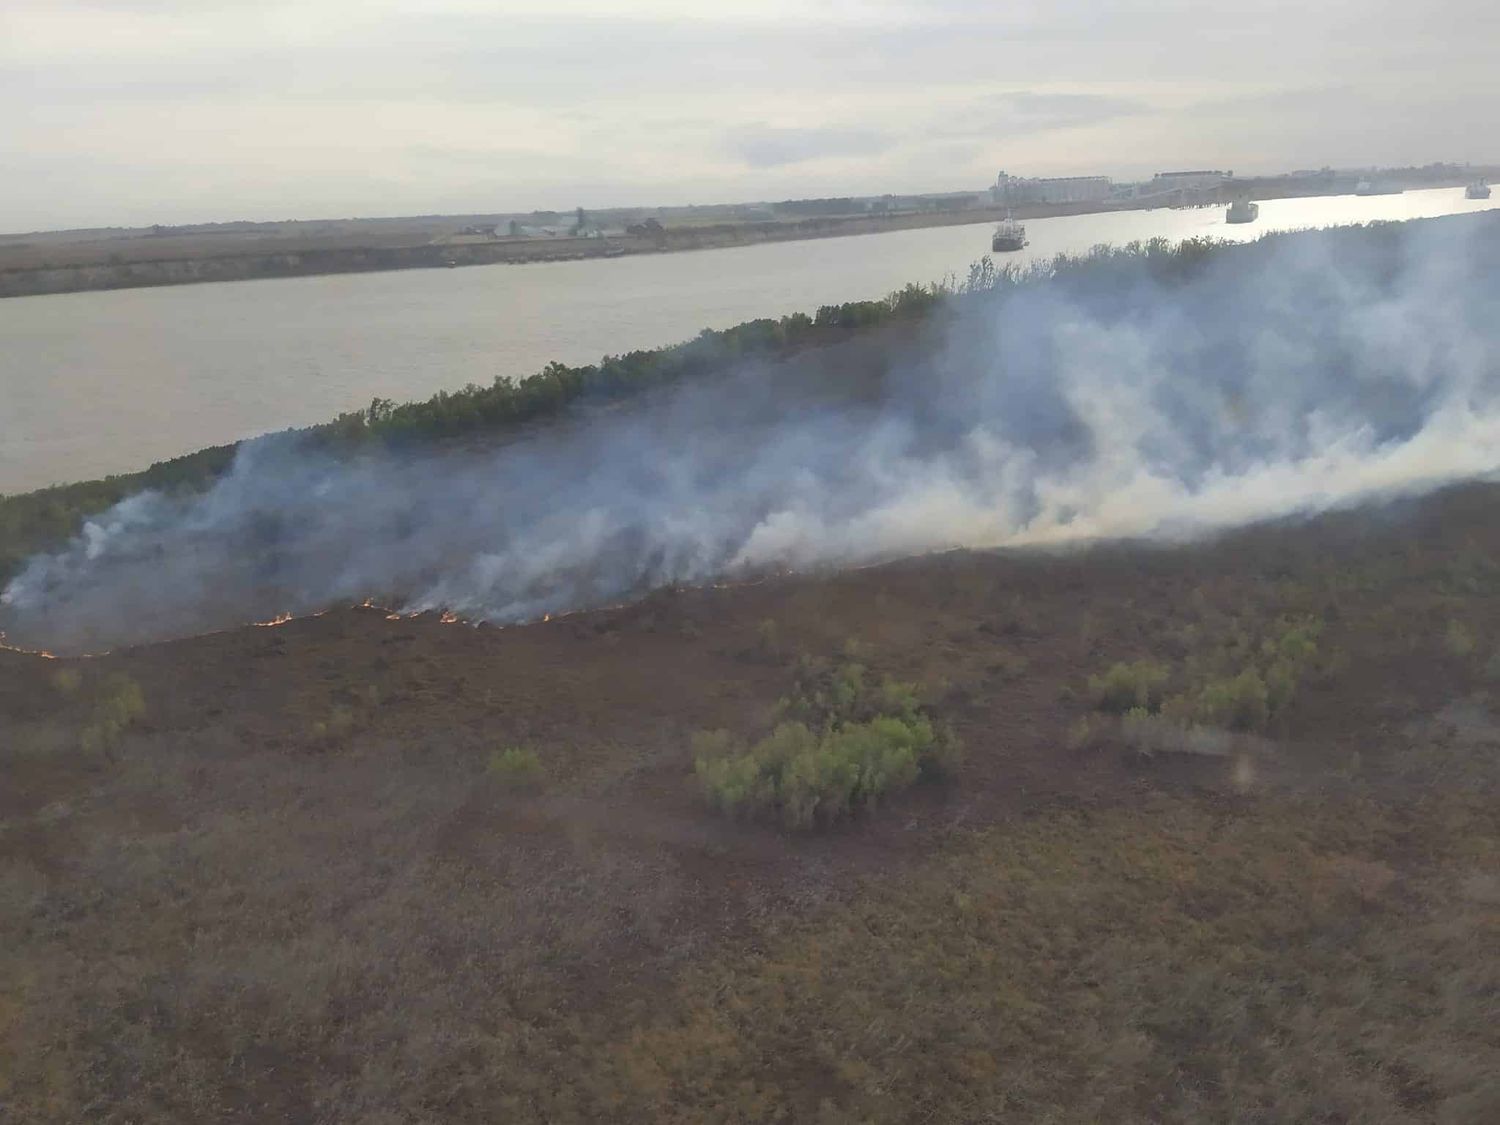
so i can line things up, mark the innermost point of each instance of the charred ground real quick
(271, 873)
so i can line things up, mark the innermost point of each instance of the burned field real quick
(360, 868)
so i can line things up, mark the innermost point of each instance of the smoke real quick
(1296, 374)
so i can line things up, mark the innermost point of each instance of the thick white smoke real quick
(1298, 373)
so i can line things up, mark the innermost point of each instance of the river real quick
(102, 382)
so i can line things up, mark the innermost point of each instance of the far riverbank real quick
(136, 262)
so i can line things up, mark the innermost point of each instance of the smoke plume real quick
(1295, 374)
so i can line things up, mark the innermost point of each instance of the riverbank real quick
(124, 259)
(200, 261)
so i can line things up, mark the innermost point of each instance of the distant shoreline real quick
(146, 262)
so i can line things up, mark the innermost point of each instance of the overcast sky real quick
(141, 111)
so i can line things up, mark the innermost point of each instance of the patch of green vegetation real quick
(841, 743)
(1459, 639)
(118, 706)
(807, 779)
(1233, 680)
(66, 681)
(1127, 686)
(516, 767)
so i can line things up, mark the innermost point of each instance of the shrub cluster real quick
(1241, 685)
(1139, 685)
(507, 402)
(840, 745)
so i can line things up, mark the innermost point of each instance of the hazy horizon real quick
(170, 111)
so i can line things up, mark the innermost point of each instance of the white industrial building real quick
(1053, 189)
(1203, 179)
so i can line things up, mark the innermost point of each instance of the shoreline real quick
(284, 258)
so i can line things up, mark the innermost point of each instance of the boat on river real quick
(1477, 190)
(1242, 211)
(1009, 235)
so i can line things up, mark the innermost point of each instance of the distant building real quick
(1054, 189)
(1202, 179)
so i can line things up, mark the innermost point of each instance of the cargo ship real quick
(1242, 211)
(1009, 235)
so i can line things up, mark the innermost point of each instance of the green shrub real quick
(1459, 639)
(898, 698)
(1084, 733)
(768, 638)
(119, 705)
(339, 725)
(806, 779)
(1129, 685)
(1240, 702)
(66, 681)
(840, 742)
(516, 767)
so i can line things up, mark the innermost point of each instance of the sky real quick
(130, 112)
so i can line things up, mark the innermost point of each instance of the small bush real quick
(1240, 702)
(1084, 733)
(516, 767)
(66, 681)
(826, 695)
(1128, 686)
(840, 742)
(1459, 639)
(898, 698)
(339, 725)
(119, 706)
(806, 779)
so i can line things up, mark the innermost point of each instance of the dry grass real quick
(232, 917)
(1166, 964)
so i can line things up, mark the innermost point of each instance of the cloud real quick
(786, 98)
(767, 147)
(1032, 111)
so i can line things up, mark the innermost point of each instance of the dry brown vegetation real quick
(360, 869)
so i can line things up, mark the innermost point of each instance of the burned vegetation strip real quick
(1123, 834)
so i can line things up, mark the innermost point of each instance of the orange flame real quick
(43, 653)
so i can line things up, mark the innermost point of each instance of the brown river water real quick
(102, 382)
